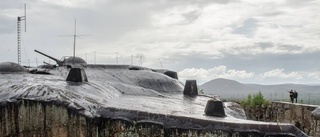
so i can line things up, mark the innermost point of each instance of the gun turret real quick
(59, 62)
(71, 61)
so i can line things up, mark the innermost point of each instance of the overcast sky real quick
(251, 41)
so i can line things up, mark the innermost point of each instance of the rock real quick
(316, 113)
(235, 110)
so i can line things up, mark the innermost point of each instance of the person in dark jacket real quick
(295, 95)
(291, 95)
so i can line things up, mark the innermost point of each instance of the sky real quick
(251, 41)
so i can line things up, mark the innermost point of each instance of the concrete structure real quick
(297, 114)
(117, 100)
(27, 118)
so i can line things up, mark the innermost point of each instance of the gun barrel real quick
(60, 63)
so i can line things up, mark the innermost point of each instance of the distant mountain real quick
(226, 88)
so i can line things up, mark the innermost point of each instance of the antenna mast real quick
(21, 18)
(74, 38)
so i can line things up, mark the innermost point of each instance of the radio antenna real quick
(21, 18)
(25, 17)
(74, 38)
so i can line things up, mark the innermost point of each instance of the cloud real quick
(216, 30)
(245, 35)
(275, 76)
(204, 75)
(279, 73)
(314, 75)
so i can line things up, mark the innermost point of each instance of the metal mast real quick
(74, 37)
(21, 18)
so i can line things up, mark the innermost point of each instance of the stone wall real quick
(40, 119)
(27, 118)
(285, 112)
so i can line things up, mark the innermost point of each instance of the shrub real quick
(254, 100)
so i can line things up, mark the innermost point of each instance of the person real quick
(295, 95)
(291, 95)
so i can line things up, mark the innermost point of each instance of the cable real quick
(107, 53)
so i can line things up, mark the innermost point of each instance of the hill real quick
(225, 87)
(230, 89)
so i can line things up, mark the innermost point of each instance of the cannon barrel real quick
(60, 63)
(46, 63)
